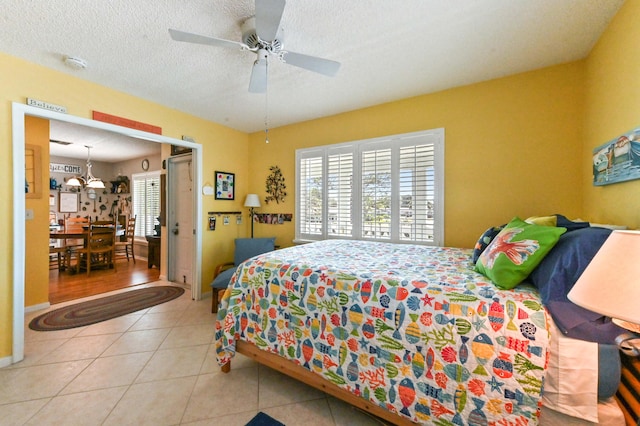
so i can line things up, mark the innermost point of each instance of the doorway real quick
(180, 228)
(19, 112)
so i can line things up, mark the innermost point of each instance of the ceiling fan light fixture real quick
(263, 35)
(250, 37)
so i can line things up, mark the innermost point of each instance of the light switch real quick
(28, 214)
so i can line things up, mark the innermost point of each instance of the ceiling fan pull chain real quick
(266, 105)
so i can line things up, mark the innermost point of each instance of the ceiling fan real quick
(262, 34)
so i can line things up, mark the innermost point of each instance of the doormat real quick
(104, 308)
(262, 419)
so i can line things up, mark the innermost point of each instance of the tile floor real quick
(156, 366)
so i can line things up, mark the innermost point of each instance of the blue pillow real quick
(569, 224)
(558, 272)
(484, 240)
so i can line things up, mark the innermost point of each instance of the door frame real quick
(19, 111)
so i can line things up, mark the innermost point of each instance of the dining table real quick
(61, 234)
(55, 233)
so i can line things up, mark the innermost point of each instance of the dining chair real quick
(99, 250)
(57, 254)
(125, 248)
(111, 222)
(73, 225)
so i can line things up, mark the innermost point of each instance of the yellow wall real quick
(224, 149)
(37, 278)
(512, 147)
(613, 108)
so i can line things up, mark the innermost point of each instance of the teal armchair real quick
(245, 248)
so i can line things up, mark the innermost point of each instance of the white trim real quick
(39, 307)
(19, 111)
(5, 362)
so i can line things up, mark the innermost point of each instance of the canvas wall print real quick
(617, 160)
(225, 186)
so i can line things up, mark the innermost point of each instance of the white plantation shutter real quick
(384, 189)
(146, 202)
(339, 194)
(310, 195)
(417, 193)
(376, 194)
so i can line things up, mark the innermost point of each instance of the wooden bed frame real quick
(294, 370)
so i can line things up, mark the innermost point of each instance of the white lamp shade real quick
(74, 181)
(252, 200)
(95, 183)
(610, 284)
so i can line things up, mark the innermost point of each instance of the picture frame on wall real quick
(225, 185)
(617, 160)
(177, 150)
(68, 202)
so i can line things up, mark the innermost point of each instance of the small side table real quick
(153, 255)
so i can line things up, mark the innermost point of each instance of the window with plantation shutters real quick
(146, 202)
(383, 189)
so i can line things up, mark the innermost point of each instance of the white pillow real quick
(601, 225)
(608, 226)
(571, 381)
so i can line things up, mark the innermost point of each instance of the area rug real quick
(104, 308)
(261, 419)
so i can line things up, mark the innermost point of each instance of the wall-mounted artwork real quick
(225, 186)
(275, 186)
(617, 160)
(272, 218)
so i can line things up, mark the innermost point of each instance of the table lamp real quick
(252, 201)
(610, 285)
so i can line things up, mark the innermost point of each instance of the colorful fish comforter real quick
(410, 328)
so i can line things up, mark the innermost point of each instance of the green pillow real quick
(516, 251)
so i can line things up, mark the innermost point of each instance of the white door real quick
(180, 220)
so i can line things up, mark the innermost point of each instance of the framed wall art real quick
(68, 202)
(177, 150)
(225, 185)
(618, 160)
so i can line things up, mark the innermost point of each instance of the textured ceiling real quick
(389, 50)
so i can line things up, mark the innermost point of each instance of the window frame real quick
(433, 137)
(137, 177)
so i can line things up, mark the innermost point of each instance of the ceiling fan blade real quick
(258, 82)
(178, 35)
(268, 17)
(312, 63)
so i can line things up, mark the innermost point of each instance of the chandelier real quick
(90, 181)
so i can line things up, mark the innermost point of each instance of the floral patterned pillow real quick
(516, 251)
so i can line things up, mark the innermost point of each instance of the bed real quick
(412, 334)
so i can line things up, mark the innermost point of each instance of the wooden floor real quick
(65, 286)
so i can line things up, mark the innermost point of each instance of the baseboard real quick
(39, 307)
(162, 278)
(6, 361)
